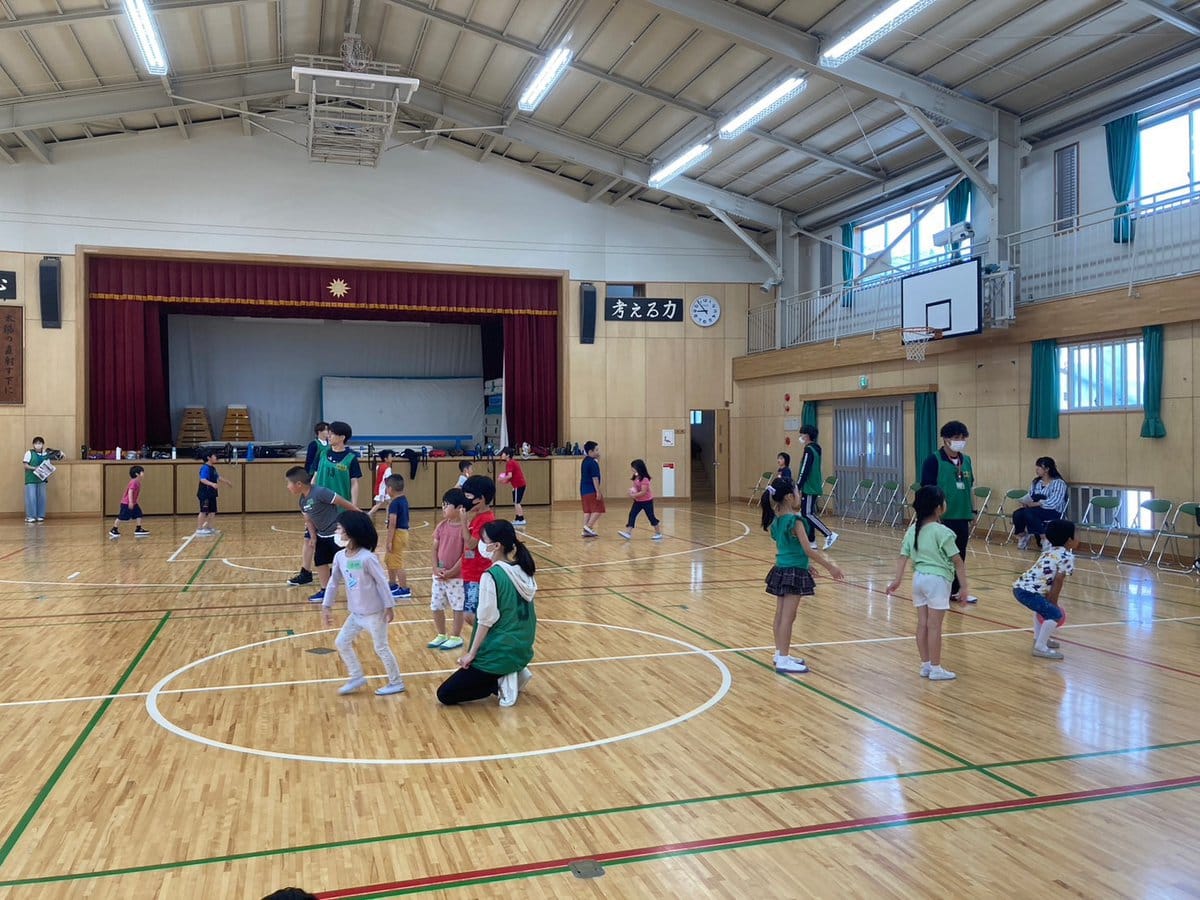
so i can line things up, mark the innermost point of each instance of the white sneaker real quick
(831, 540)
(509, 688)
(352, 685)
(1046, 545)
(926, 668)
(390, 688)
(813, 546)
(1023, 542)
(626, 535)
(789, 665)
(937, 673)
(658, 536)
(523, 678)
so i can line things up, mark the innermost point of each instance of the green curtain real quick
(926, 421)
(847, 264)
(958, 206)
(808, 413)
(1043, 391)
(1152, 339)
(1121, 137)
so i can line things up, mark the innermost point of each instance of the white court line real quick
(521, 532)
(289, 531)
(167, 724)
(187, 540)
(133, 695)
(73, 576)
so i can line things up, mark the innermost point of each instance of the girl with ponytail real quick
(933, 549)
(505, 624)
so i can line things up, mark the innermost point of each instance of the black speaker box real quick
(49, 281)
(587, 313)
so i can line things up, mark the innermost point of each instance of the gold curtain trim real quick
(330, 304)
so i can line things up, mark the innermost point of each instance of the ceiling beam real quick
(34, 23)
(6, 155)
(802, 49)
(1167, 14)
(947, 146)
(601, 188)
(35, 146)
(636, 87)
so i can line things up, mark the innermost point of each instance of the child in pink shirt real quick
(448, 589)
(368, 598)
(643, 501)
(130, 511)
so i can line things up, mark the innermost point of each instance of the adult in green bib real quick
(505, 623)
(950, 469)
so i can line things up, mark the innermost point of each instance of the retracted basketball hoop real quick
(916, 340)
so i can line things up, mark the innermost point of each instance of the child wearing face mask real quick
(811, 482)
(319, 506)
(479, 492)
(950, 469)
(35, 485)
(368, 598)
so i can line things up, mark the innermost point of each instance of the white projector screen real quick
(436, 411)
(948, 299)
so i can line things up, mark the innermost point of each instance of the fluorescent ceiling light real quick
(145, 32)
(883, 22)
(551, 70)
(680, 163)
(762, 107)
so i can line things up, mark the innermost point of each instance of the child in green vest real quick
(933, 549)
(35, 485)
(950, 469)
(790, 578)
(505, 624)
(812, 482)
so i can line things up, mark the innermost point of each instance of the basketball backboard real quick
(947, 299)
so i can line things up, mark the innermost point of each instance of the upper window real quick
(625, 290)
(1168, 155)
(1101, 375)
(1066, 188)
(909, 249)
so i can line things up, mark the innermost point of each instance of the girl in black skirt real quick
(790, 578)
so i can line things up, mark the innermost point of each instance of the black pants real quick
(466, 685)
(1032, 519)
(808, 512)
(962, 531)
(646, 506)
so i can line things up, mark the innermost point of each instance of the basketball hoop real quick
(916, 340)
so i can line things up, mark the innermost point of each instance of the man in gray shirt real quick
(319, 506)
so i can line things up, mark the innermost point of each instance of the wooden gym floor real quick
(169, 731)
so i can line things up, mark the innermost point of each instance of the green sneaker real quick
(436, 642)
(451, 643)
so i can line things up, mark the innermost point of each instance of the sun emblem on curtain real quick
(339, 288)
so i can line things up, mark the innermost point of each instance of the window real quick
(1168, 155)
(697, 417)
(909, 250)
(1066, 188)
(1101, 375)
(625, 290)
(1131, 514)
(825, 265)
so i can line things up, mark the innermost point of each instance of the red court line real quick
(826, 828)
(14, 553)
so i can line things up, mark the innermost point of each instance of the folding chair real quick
(889, 494)
(1093, 519)
(831, 482)
(1001, 514)
(906, 502)
(763, 480)
(1174, 534)
(1157, 509)
(861, 496)
(982, 497)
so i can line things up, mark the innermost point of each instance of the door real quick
(702, 463)
(721, 456)
(868, 445)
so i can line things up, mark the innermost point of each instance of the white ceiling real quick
(649, 78)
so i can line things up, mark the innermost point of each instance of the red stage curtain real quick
(531, 380)
(127, 386)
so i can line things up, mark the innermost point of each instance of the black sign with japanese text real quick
(642, 309)
(8, 285)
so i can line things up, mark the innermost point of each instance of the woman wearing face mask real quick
(950, 469)
(505, 625)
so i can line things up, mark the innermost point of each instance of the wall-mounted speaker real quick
(587, 313)
(49, 283)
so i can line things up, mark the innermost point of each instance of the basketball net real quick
(916, 340)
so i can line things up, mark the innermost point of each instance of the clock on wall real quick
(706, 311)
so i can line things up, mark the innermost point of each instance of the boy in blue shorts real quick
(130, 511)
(1039, 587)
(206, 493)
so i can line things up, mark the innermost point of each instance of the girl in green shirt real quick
(789, 579)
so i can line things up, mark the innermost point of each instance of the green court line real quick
(564, 817)
(7, 847)
(203, 562)
(862, 712)
(782, 839)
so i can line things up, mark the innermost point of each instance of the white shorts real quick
(931, 590)
(448, 592)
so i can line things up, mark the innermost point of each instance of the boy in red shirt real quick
(130, 511)
(514, 477)
(479, 492)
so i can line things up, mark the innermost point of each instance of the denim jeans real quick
(35, 500)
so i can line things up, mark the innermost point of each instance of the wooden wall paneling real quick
(564, 478)
(735, 313)
(656, 454)
(157, 497)
(266, 490)
(664, 389)
(421, 489)
(589, 373)
(537, 483)
(703, 376)
(1168, 464)
(1178, 360)
(187, 480)
(995, 446)
(625, 377)
(1096, 447)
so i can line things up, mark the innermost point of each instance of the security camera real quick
(765, 287)
(959, 231)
